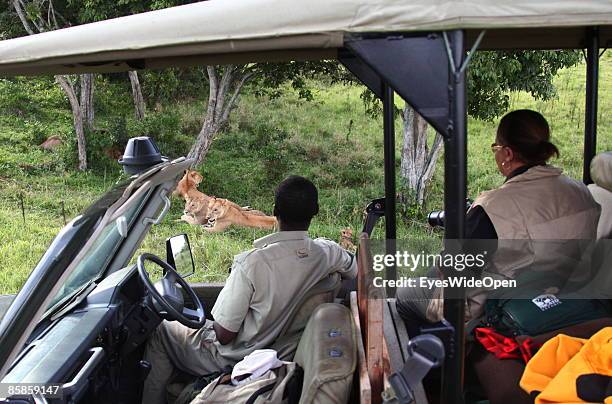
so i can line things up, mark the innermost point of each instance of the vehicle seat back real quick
(323, 291)
(601, 173)
(327, 352)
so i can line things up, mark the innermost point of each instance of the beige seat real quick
(601, 173)
(323, 291)
(327, 353)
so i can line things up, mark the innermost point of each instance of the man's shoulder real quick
(329, 247)
(243, 258)
(248, 259)
(326, 242)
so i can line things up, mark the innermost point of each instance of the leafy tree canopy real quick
(491, 75)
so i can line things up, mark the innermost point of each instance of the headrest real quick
(601, 170)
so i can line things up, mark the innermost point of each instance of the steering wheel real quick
(167, 298)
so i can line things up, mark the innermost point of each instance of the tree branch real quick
(17, 5)
(226, 82)
(230, 104)
(68, 88)
(53, 20)
(213, 85)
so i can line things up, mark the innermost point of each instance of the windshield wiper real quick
(77, 297)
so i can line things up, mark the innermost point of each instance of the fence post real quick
(64, 213)
(22, 207)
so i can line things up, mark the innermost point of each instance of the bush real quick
(165, 128)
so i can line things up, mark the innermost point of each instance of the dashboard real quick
(95, 348)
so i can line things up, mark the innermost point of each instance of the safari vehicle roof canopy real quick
(218, 32)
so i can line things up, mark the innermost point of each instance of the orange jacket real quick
(571, 370)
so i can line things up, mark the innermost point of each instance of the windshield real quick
(98, 257)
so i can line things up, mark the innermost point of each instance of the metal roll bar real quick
(590, 107)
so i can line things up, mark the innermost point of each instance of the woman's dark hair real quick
(296, 200)
(527, 133)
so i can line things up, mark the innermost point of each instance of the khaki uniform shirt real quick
(267, 283)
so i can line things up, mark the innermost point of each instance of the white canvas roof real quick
(239, 31)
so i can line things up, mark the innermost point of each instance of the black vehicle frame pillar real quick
(389, 153)
(416, 67)
(455, 190)
(590, 110)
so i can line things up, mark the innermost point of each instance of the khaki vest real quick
(540, 204)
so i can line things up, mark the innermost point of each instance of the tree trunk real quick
(222, 96)
(87, 102)
(139, 104)
(77, 115)
(82, 109)
(418, 159)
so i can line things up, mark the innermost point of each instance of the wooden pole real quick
(22, 207)
(64, 212)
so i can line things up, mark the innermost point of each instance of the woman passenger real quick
(535, 202)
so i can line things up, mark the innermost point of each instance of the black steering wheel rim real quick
(174, 276)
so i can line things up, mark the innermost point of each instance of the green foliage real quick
(164, 86)
(84, 11)
(165, 128)
(271, 77)
(8, 27)
(492, 75)
(30, 98)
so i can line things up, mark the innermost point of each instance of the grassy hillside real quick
(329, 140)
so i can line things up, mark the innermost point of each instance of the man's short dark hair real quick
(296, 200)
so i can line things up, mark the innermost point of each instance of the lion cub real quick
(346, 239)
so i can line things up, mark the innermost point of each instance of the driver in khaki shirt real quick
(263, 289)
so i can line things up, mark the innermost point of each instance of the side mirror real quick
(178, 254)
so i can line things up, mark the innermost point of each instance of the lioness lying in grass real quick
(221, 213)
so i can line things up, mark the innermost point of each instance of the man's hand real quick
(224, 336)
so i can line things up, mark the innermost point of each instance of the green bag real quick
(542, 314)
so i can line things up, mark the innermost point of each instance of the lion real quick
(346, 239)
(187, 188)
(223, 213)
(196, 210)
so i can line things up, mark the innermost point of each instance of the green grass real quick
(329, 140)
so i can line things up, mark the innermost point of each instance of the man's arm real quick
(351, 268)
(232, 304)
(224, 336)
(339, 260)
